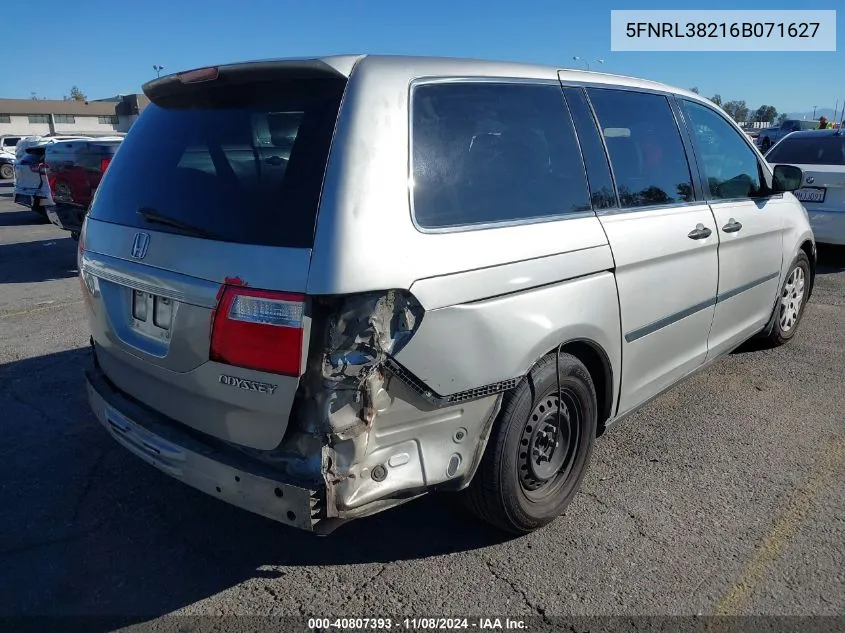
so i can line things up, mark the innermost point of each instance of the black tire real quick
(785, 319)
(504, 490)
(7, 172)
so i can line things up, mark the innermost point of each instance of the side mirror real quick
(787, 178)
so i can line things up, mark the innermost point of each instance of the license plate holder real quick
(152, 314)
(811, 194)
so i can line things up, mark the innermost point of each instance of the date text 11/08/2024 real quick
(412, 624)
(721, 29)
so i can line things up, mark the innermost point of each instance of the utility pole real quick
(814, 112)
(158, 70)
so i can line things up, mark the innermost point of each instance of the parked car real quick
(7, 166)
(768, 137)
(32, 183)
(821, 156)
(74, 170)
(343, 282)
(8, 143)
(32, 187)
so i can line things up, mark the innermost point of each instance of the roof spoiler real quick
(245, 73)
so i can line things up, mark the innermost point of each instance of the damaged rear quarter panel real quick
(374, 420)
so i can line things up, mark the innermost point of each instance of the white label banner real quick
(670, 30)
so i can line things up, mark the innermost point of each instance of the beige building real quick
(39, 117)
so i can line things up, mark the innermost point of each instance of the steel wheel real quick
(548, 444)
(533, 466)
(7, 172)
(792, 299)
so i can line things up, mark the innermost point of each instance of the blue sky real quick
(129, 37)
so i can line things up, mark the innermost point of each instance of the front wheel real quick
(791, 303)
(7, 172)
(539, 450)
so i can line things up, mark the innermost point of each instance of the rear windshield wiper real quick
(151, 216)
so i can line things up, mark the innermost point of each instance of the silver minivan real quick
(320, 288)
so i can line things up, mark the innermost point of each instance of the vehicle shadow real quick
(87, 528)
(831, 259)
(21, 218)
(40, 260)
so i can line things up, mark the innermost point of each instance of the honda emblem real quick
(139, 246)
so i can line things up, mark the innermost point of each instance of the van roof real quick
(403, 67)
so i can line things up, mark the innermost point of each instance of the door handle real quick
(732, 226)
(700, 232)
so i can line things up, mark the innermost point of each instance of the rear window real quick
(806, 150)
(240, 164)
(32, 156)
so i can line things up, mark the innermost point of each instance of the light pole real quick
(158, 69)
(814, 112)
(585, 62)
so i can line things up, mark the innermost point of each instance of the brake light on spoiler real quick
(258, 329)
(198, 75)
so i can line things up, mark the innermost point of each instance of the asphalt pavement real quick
(726, 495)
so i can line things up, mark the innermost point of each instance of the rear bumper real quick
(31, 197)
(222, 473)
(67, 217)
(828, 226)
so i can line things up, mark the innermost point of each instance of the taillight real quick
(258, 329)
(104, 163)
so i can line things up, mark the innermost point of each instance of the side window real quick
(645, 147)
(487, 152)
(598, 172)
(729, 164)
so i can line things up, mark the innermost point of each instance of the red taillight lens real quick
(259, 329)
(104, 163)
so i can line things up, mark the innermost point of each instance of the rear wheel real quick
(7, 172)
(62, 191)
(540, 448)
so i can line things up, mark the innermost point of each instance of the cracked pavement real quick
(677, 504)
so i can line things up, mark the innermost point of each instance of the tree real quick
(717, 99)
(737, 110)
(77, 95)
(782, 117)
(765, 114)
(695, 90)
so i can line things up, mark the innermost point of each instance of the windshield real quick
(243, 163)
(807, 150)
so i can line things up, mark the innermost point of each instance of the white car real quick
(821, 156)
(32, 189)
(8, 143)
